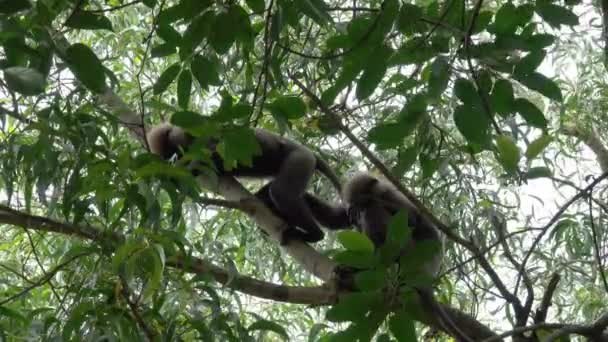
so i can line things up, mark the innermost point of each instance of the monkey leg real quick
(287, 194)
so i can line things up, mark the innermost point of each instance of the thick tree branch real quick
(590, 138)
(541, 311)
(231, 190)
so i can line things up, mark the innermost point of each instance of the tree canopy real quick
(488, 115)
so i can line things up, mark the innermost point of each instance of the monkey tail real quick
(324, 168)
(426, 295)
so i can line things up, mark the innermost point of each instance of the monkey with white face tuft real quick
(291, 166)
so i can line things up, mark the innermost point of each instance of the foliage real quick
(464, 102)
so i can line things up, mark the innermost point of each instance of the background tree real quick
(491, 113)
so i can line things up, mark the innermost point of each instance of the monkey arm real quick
(329, 216)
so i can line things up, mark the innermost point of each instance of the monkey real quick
(290, 164)
(371, 203)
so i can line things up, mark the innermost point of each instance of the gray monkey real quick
(291, 165)
(371, 204)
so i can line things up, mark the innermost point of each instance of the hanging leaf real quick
(373, 73)
(288, 107)
(538, 146)
(556, 15)
(508, 153)
(257, 6)
(501, 98)
(540, 83)
(402, 326)
(506, 19)
(440, 75)
(355, 241)
(184, 88)
(166, 78)
(409, 19)
(530, 62)
(205, 71)
(538, 172)
(24, 80)
(88, 21)
(262, 324)
(473, 124)
(13, 6)
(533, 116)
(86, 67)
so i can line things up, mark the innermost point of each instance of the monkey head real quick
(167, 140)
(359, 193)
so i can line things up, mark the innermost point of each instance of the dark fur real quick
(289, 163)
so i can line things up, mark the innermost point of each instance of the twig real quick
(596, 244)
(43, 280)
(150, 333)
(554, 219)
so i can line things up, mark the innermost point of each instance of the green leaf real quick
(169, 34)
(124, 252)
(508, 153)
(223, 34)
(205, 71)
(506, 19)
(149, 3)
(166, 78)
(466, 92)
(355, 241)
(399, 232)
(482, 22)
(351, 307)
(361, 260)
(373, 73)
(384, 25)
(257, 6)
(288, 107)
(76, 318)
(315, 10)
(387, 135)
(239, 146)
(184, 88)
(440, 75)
(538, 172)
(502, 99)
(24, 80)
(533, 116)
(156, 255)
(88, 21)
(12, 314)
(409, 20)
(86, 67)
(473, 124)
(13, 6)
(262, 324)
(540, 83)
(405, 159)
(162, 50)
(371, 280)
(529, 63)
(402, 326)
(198, 29)
(556, 15)
(538, 146)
